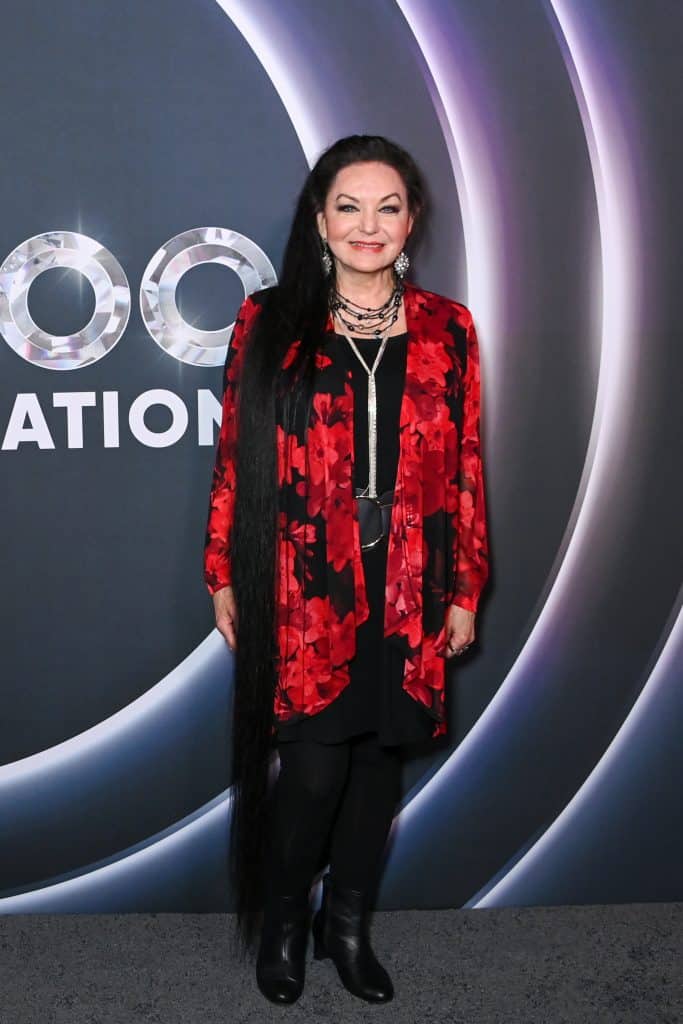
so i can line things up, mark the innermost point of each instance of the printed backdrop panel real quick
(152, 160)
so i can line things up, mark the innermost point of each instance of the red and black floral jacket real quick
(437, 549)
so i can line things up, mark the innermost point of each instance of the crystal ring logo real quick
(160, 313)
(160, 280)
(112, 300)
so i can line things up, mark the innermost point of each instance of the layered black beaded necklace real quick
(371, 320)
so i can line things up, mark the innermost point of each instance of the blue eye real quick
(350, 206)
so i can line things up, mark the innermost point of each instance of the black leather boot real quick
(340, 931)
(281, 960)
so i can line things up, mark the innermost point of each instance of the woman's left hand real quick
(459, 630)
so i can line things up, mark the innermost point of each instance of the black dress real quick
(374, 700)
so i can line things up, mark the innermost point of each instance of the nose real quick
(368, 221)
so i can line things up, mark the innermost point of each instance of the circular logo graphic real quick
(112, 300)
(160, 312)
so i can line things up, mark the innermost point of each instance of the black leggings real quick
(336, 798)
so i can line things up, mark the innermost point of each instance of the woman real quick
(346, 551)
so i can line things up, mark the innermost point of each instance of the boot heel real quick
(319, 948)
(318, 924)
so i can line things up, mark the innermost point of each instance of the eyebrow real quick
(358, 200)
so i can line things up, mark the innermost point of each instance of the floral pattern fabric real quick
(437, 546)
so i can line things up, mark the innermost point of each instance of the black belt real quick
(374, 517)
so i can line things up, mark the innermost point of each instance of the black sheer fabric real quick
(374, 699)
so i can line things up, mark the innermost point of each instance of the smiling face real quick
(366, 218)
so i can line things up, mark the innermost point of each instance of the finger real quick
(226, 628)
(457, 644)
(452, 647)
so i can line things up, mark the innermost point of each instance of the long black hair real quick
(297, 307)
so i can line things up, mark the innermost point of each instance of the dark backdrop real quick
(150, 161)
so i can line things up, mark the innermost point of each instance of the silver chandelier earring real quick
(401, 264)
(326, 256)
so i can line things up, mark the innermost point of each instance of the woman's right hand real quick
(225, 608)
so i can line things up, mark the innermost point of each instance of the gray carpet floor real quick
(602, 964)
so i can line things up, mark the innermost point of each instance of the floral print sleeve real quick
(217, 570)
(471, 547)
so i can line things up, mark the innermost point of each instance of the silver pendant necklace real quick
(371, 490)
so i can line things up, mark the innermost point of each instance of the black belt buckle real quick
(374, 517)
